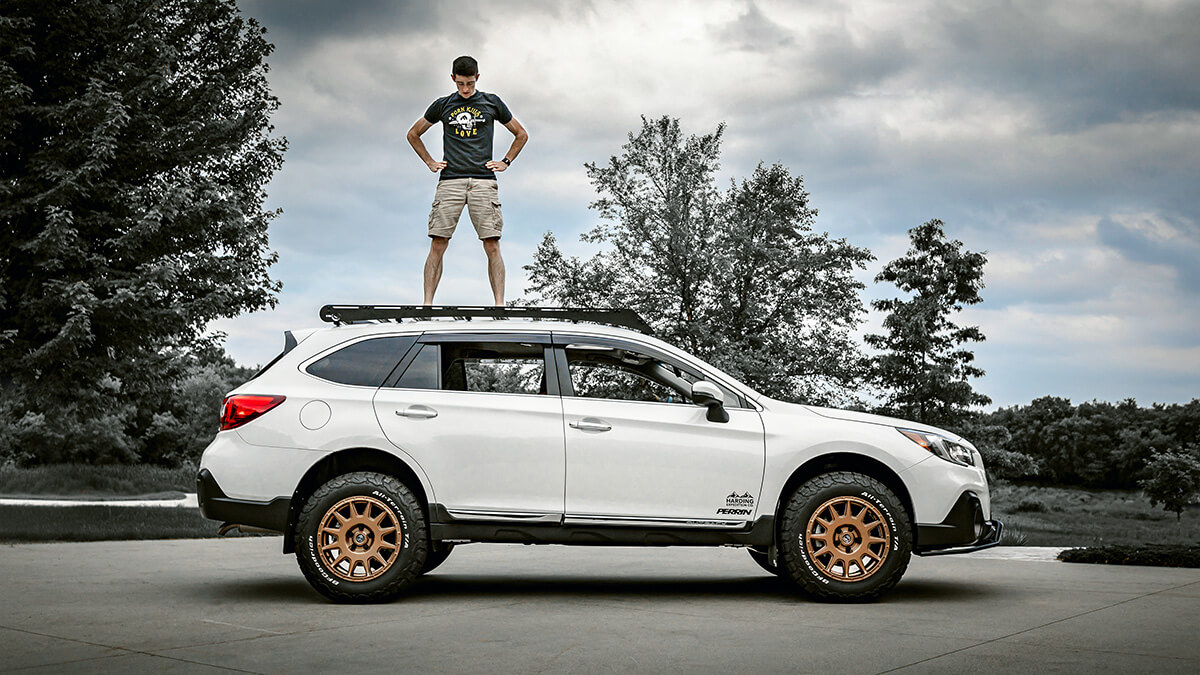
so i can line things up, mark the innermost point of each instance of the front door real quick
(640, 452)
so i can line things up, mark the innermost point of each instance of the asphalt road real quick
(239, 605)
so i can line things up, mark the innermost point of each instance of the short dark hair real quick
(465, 66)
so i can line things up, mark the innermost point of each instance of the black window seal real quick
(393, 377)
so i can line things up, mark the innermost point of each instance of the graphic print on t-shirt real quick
(465, 119)
(467, 129)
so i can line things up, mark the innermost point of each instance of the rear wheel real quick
(845, 537)
(361, 537)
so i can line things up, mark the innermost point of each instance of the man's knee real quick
(438, 244)
(491, 245)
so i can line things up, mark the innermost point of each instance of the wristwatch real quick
(506, 160)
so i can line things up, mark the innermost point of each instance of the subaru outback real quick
(380, 443)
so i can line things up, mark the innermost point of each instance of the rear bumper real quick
(964, 530)
(215, 505)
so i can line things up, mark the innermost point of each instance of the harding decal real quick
(737, 505)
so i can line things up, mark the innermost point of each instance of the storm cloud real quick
(1063, 138)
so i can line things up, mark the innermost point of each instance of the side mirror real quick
(707, 394)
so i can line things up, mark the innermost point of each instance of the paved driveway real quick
(238, 605)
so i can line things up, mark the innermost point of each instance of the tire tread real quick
(418, 536)
(797, 503)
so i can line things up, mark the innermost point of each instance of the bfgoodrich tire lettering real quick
(361, 537)
(844, 537)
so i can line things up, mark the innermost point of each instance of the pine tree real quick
(922, 366)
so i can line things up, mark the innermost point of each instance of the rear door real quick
(482, 416)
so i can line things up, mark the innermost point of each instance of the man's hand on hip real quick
(435, 166)
(496, 166)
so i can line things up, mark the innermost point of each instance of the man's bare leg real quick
(433, 266)
(495, 268)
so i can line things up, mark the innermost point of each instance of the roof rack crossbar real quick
(340, 314)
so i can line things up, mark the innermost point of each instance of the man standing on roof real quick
(468, 172)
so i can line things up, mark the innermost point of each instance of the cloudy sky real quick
(1062, 138)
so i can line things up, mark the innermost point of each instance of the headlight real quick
(941, 446)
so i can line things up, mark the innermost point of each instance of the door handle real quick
(591, 424)
(420, 412)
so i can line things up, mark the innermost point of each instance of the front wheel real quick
(845, 537)
(361, 537)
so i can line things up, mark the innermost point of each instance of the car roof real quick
(483, 326)
(341, 333)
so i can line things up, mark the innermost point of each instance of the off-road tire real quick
(763, 558)
(436, 556)
(817, 575)
(410, 538)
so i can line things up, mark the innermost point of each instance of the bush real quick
(1151, 555)
(1029, 505)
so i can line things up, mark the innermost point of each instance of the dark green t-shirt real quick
(467, 132)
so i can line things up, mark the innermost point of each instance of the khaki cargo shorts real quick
(481, 196)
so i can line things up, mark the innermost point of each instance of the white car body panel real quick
(659, 460)
(257, 473)
(483, 452)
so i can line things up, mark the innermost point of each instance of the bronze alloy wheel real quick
(358, 538)
(847, 538)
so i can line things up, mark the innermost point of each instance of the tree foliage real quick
(922, 366)
(1173, 480)
(1096, 443)
(135, 144)
(738, 277)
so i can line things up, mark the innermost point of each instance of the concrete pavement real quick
(239, 605)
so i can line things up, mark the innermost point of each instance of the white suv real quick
(377, 445)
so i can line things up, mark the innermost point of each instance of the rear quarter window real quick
(364, 364)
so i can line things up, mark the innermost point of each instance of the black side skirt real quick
(444, 527)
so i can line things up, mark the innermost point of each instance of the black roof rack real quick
(340, 314)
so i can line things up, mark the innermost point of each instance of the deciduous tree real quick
(1173, 479)
(739, 278)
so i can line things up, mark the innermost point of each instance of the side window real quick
(422, 373)
(364, 363)
(493, 367)
(624, 375)
(627, 375)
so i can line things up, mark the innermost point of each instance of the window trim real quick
(563, 340)
(437, 339)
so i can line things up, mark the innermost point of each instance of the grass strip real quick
(1151, 555)
(23, 524)
(85, 481)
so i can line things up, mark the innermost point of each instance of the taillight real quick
(242, 408)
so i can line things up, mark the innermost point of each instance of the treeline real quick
(1094, 444)
(170, 425)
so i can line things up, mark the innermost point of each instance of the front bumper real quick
(215, 505)
(964, 530)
